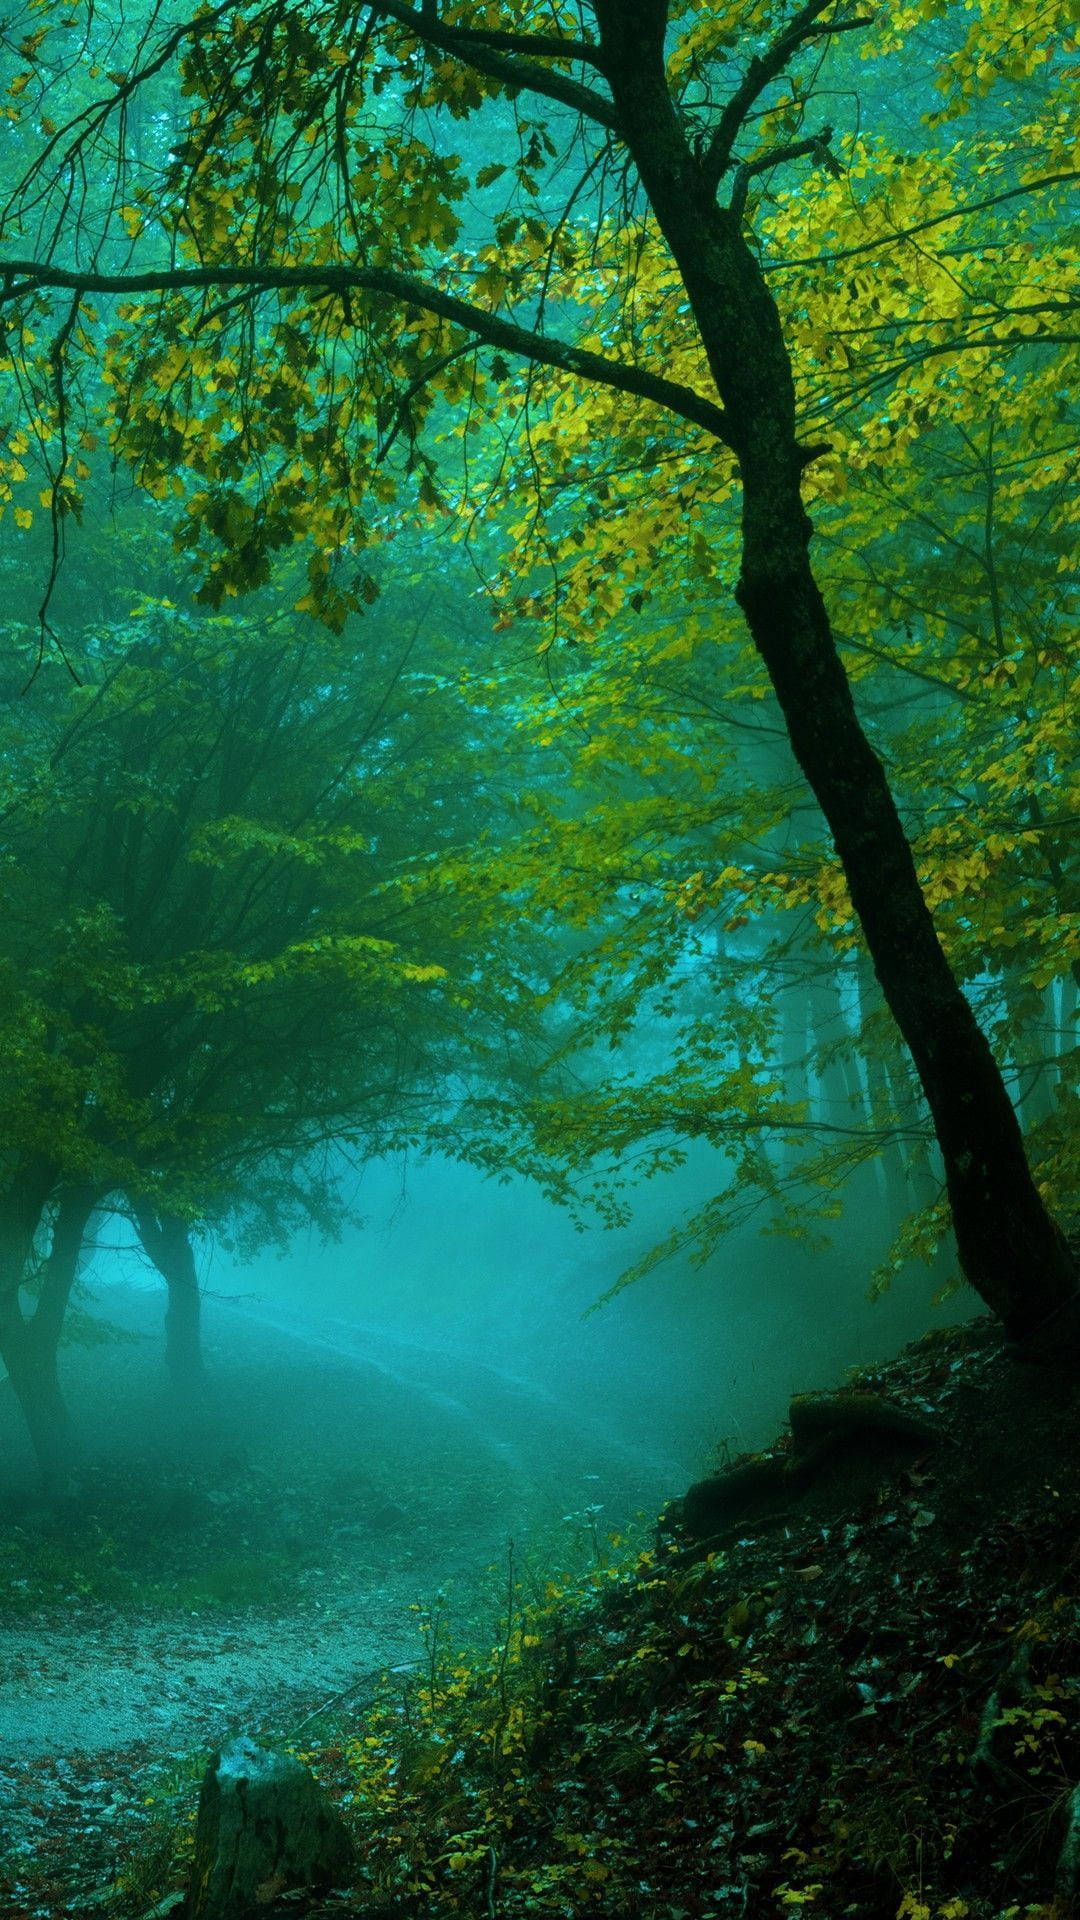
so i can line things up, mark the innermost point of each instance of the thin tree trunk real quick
(35, 1382)
(167, 1242)
(840, 1096)
(1067, 1035)
(1010, 1249)
(892, 1160)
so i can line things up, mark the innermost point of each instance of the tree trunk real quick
(183, 1332)
(35, 1382)
(167, 1242)
(1066, 1036)
(1010, 1249)
(839, 1091)
(29, 1343)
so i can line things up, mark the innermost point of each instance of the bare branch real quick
(476, 50)
(19, 278)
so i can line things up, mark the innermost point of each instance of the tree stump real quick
(264, 1827)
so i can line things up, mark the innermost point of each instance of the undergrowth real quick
(864, 1714)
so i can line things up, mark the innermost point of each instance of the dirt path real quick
(393, 1471)
(107, 1681)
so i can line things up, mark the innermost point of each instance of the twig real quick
(347, 1694)
(504, 1658)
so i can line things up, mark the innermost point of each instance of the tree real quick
(227, 941)
(310, 213)
(166, 1242)
(29, 1339)
(952, 573)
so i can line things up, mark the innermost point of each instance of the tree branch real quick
(476, 49)
(760, 73)
(817, 145)
(537, 46)
(1067, 178)
(19, 278)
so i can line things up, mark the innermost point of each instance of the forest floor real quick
(232, 1571)
(864, 1703)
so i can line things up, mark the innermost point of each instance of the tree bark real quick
(1010, 1249)
(29, 1342)
(167, 1243)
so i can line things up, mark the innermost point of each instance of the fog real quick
(491, 1279)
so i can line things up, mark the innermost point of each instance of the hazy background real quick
(455, 1267)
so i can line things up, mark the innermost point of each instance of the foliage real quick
(401, 299)
(222, 940)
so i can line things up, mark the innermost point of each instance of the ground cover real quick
(863, 1705)
(862, 1711)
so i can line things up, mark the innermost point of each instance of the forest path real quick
(378, 1471)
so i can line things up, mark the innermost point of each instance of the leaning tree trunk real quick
(29, 1341)
(167, 1241)
(1010, 1249)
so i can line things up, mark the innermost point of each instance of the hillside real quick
(861, 1704)
(860, 1710)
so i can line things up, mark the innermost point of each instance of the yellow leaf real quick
(24, 517)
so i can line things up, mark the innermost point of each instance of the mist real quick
(455, 1284)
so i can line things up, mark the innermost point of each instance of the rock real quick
(845, 1443)
(264, 1828)
(754, 1494)
(814, 1417)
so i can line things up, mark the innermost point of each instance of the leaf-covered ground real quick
(233, 1573)
(860, 1709)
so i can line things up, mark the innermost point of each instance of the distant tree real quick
(166, 1241)
(227, 942)
(306, 281)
